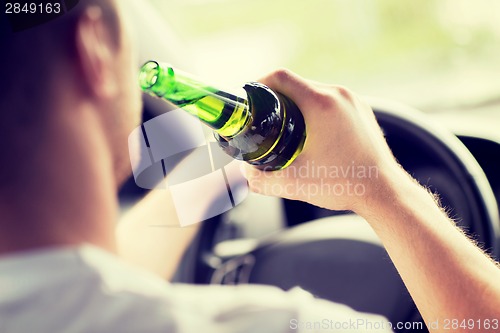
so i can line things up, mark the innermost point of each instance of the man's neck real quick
(69, 197)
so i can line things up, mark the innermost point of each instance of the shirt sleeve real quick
(264, 309)
(114, 297)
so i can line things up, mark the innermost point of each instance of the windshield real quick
(432, 54)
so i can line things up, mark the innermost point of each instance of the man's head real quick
(79, 66)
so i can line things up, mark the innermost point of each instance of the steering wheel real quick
(339, 257)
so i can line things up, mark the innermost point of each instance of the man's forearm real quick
(448, 276)
(149, 235)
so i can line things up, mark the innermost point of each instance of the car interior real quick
(453, 150)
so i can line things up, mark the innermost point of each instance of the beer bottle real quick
(255, 124)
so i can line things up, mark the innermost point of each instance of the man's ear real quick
(95, 51)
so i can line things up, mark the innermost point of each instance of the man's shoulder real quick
(82, 289)
(89, 290)
(118, 276)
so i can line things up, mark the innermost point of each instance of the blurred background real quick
(439, 56)
(436, 55)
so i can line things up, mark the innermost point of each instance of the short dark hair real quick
(27, 65)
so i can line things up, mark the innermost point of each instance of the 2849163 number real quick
(471, 324)
(32, 8)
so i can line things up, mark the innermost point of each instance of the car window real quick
(432, 54)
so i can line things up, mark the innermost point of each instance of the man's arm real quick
(150, 236)
(448, 276)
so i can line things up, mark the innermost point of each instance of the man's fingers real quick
(273, 183)
(293, 86)
(309, 97)
(286, 82)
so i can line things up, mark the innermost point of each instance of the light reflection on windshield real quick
(433, 54)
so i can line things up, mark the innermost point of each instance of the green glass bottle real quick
(258, 126)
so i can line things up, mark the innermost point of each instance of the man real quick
(64, 122)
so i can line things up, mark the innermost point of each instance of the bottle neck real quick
(227, 113)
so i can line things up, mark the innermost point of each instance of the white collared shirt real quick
(85, 289)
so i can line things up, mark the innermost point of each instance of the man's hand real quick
(345, 156)
(448, 276)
